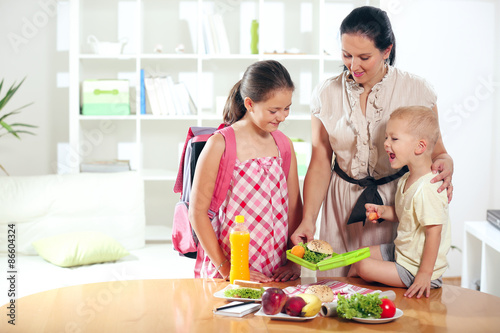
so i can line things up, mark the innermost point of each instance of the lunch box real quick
(336, 261)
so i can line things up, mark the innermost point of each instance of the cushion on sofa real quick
(79, 248)
(44, 206)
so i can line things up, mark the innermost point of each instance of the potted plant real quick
(14, 128)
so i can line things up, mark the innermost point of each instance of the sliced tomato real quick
(388, 308)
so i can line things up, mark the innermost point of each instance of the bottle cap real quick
(239, 219)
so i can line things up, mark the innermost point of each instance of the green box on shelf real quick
(336, 260)
(105, 97)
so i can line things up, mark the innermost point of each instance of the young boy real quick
(417, 258)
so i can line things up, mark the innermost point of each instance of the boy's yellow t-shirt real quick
(421, 205)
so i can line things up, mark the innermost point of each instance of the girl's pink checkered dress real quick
(259, 192)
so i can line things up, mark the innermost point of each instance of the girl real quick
(259, 189)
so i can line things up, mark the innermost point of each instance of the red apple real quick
(294, 305)
(273, 300)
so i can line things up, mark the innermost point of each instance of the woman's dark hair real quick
(259, 82)
(373, 23)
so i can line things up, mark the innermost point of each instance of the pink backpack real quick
(183, 236)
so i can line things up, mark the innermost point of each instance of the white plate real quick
(220, 294)
(282, 316)
(398, 314)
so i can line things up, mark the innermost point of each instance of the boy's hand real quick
(421, 285)
(373, 212)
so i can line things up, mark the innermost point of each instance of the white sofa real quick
(111, 203)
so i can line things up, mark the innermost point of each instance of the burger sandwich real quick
(316, 250)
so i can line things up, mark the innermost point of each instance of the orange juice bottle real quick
(240, 239)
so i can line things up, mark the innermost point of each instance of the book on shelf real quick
(105, 166)
(167, 97)
(173, 99)
(207, 36)
(162, 95)
(186, 102)
(215, 35)
(143, 93)
(150, 85)
(237, 309)
(221, 33)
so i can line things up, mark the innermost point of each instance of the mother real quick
(349, 114)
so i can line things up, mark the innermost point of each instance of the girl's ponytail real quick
(234, 109)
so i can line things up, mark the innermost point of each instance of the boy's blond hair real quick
(422, 123)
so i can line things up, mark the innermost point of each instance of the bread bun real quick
(248, 284)
(320, 246)
(324, 293)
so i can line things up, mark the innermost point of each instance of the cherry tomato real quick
(388, 308)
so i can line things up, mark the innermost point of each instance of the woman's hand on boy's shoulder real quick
(442, 166)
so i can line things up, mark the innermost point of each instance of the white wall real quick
(457, 52)
(28, 49)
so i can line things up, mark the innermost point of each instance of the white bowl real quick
(106, 48)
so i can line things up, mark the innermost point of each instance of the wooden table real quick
(185, 305)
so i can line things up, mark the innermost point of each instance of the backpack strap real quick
(226, 168)
(194, 134)
(180, 172)
(284, 147)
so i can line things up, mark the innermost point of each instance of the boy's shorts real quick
(388, 254)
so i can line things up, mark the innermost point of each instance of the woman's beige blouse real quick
(358, 145)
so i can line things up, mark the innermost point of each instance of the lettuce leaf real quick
(244, 293)
(311, 256)
(360, 306)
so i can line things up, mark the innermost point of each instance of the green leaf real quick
(1, 167)
(12, 128)
(6, 126)
(12, 90)
(25, 125)
(25, 132)
(9, 129)
(8, 114)
(22, 107)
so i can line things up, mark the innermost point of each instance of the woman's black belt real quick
(370, 194)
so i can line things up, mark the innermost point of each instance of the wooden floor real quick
(454, 281)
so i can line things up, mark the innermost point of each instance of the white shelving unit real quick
(308, 28)
(481, 257)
